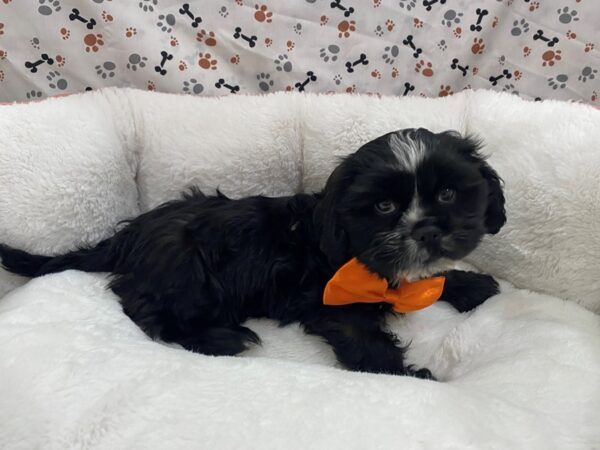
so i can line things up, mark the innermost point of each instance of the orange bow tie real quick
(354, 283)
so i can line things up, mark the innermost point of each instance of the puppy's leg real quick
(467, 290)
(217, 340)
(359, 342)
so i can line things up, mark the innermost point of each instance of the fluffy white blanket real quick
(522, 371)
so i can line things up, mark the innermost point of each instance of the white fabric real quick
(522, 371)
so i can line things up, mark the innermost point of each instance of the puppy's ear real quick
(333, 240)
(495, 216)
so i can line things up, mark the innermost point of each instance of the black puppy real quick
(193, 270)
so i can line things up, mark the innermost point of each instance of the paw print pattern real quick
(329, 53)
(424, 68)
(262, 14)
(136, 61)
(560, 81)
(206, 61)
(166, 22)
(478, 46)
(207, 37)
(519, 27)
(48, 7)
(93, 42)
(56, 81)
(390, 54)
(566, 15)
(346, 28)
(192, 86)
(550, 57)
(407, 4)
(587, 73)
(282, 63)
(337, 79)
(33, 94)
(264, 81)
(147, 5)
(106, 69)
(451, 17)
(445, 91)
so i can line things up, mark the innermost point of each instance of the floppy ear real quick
(333, 240)
(495, 215)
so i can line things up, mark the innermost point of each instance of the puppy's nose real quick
(426, 234)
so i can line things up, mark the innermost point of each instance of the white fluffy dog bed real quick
(521, 371)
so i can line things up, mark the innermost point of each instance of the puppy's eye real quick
(446, 195)
(385, 207)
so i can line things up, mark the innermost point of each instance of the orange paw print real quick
(526, 52)
(235, 59)
(60, 60)
(206, 62)
(589, 47)
(495, 22)
(395, 72)
(457, 32)
(550, 57)
(268, 42)
(324, 20)
(262, 14)
(346, 28)
(418, 23)
(376, 74)
(174, 42)
(376, 3)
(208, 37)
(93, 42)
(478, 46)
(1, 75)
(130, 32)
(533, 6)
(182, 65)
(107, 17)
(475, 70)
(151, 86)
(425, 69)
(3, 54)
(445, 91)
(1, 29)
(351, 89)
(290, 45)
(571, 35)
(390, 24)
(65, 33)
(518, 74)
(594, 96)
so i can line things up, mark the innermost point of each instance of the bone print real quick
(505, 74)
(165, 57)
(185, 11)
(481, 13)
(408, 88)
(75, 15)
(409, 42)
(361, 60)
(250, 39)
(338, 4)
(310, 76)
(455, 66)
(550, 42)
(44, 58)
(221, 83)
(428, 4)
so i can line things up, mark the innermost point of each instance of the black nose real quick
(426, 234)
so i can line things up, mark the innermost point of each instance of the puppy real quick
(193, 270)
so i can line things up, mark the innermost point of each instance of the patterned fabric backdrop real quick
(536, 49)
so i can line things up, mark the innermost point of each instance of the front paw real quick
(467, 290)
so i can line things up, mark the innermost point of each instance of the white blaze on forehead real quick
(408, 149)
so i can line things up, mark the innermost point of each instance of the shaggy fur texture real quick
(193, 270)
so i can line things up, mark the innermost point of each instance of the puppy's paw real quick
(467, 290)
(424, 374)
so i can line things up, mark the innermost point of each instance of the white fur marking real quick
(408, 150)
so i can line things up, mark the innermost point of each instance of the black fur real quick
(193, 270)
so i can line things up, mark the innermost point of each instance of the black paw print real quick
(106, 70)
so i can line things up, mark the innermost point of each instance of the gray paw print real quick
(587, 73)
(35, 43)
(264, 81)
(379, 30)
(408, 4)
(502, 60)
(147, 5)
(391, 53)
(33, 94)
(166, 22)
(329, 53)
(136, 60)
(451, 17)
(47, 7)
(223, 11)
(442, 45)
(519, 27)
(298, 28)
(510, 88)
(192, 87)
(107, 69)
(560, 81)
(337, 79)
(566, 16)
(282, 63)
(56, 82)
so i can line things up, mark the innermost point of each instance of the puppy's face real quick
(407, 199)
